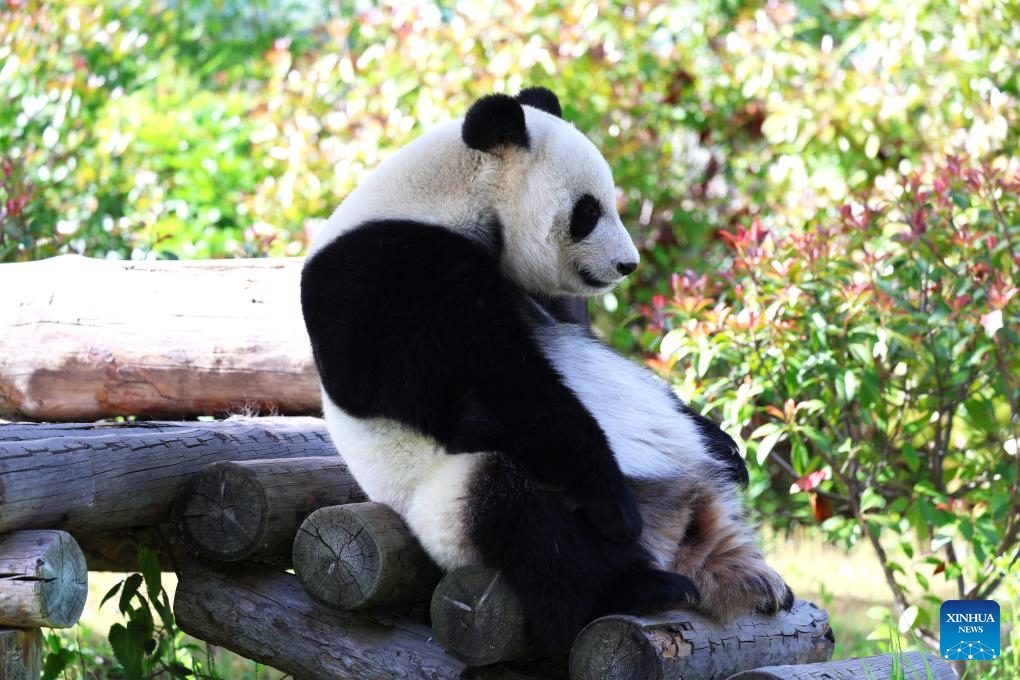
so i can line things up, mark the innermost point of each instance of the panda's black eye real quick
(585, 216)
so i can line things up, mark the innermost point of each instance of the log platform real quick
(235, 510)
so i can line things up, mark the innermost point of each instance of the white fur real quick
(650, 438)
(439, 180)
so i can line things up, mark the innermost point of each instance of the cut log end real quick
(478, 618)
(222, 512)
(43, 580)
(360, 556)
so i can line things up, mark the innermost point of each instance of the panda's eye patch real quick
(587, 212)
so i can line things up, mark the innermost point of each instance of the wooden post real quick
(909, 666)
(128, 476)
(477, 618)
(361, 556)
(236, 510)
(264, 614)
(683, 645)
(20, 653)
(43, 580)
(168, 348)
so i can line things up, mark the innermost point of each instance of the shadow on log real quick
(129, 476)
(21, 653)
(43, 580)
(683, 645)
(911, 666)
(263, 614)
(236, 510)
(362, 556)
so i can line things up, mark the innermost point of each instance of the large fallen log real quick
(184, 338)
(130, 475)
(237, 510)
(21, 653)
(682, 645)
(43, 580)
(362, 556)
(264, 614)
(910, 666)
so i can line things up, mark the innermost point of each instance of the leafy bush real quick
(872, 363)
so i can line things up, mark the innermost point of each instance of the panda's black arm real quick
(417, 324)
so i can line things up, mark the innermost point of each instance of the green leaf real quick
(56, 662)
(111, 592)
(148, 564)
(128, 644)
(131, 585)
(766, 445)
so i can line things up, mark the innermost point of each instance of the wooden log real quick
(237, 510)
(264, 614)
(909, 666)
(21, 653)
(362, 556)
(682, 644)
(129, 476)
(477, 618)
(43, 580)
(168, 348)
(117, 550)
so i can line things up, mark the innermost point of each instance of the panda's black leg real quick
(563, 569)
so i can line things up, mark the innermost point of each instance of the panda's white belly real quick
(412, 474)
(649, 437)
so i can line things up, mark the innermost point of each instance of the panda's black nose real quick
(626, 268)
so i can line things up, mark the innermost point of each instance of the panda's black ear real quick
(541, 99)
(495, 120)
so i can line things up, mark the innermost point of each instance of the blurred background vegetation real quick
(824, 194)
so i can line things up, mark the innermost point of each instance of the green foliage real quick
(872, 364)
(147, 644)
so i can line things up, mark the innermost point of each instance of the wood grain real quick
(86, 339)
(43, 580)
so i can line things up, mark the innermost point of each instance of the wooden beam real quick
(43, 580)
(684, 645)
(235, 510)
(184, 338)
(128, 476)
(362, 556)
(21, 653)
(264, 614)
(909, 666)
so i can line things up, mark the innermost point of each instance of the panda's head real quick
(552, 193)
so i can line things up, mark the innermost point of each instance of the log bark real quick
(683, 645)
(118, 550)
(910, 666)
(362, 556)
(264, 614)
(130, 475)
(21, 653)
(477, 618)
(43, 580)
(183, 339)
(238, 510)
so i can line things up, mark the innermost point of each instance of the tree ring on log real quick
(613, 648)
(477, 617)
(212, 518)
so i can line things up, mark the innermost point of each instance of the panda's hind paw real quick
(650, 590)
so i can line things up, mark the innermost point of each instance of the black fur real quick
(493, 121)
(542, 99)
(416, 323)
(565, 571)
(584, 217)
(718, 443)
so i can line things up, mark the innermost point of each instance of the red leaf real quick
(811, 481)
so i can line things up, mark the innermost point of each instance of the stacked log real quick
(43, 580)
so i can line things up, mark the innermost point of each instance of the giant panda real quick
(463, 392)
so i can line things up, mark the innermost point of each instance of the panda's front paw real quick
(615, 515)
